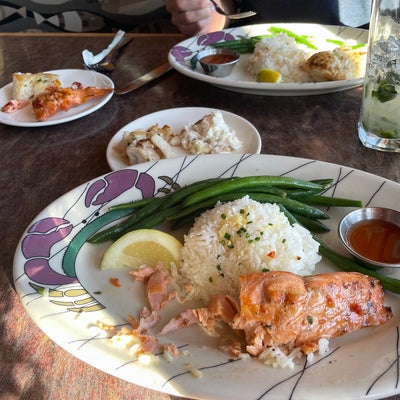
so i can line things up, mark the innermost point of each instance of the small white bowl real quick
(368, 214)
(218, 62)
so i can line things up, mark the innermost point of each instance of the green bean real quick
(312, 225)
(324, 182)
(299, 39)
(132, 204)
(249, 181)
(292, 220)
(290, 204)
(148, 222)
(197, 208)
(331, 201)
(350, 265)
(341, 43)
(265, 189)
(185, 191)
(239, 45)
(358, 46)
(300, 193)
(113, 231)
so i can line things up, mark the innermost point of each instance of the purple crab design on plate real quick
(182, 54)
(52, 243)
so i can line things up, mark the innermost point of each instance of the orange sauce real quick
(376, 240)
(218, 58)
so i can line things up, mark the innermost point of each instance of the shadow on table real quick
(19, 370)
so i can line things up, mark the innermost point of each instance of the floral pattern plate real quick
(57, 277)
(26, 117)
(181, 57)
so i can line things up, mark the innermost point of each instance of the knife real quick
(142, 80)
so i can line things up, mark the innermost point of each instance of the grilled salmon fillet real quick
(285, 309)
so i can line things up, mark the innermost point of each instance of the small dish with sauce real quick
(372, 235)
(218, 62)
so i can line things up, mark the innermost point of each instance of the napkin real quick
(89, 58)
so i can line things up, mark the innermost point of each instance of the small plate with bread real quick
(28, 101)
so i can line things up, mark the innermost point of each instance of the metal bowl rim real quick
(367, 213)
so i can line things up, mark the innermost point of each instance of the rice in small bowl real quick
(239, 238)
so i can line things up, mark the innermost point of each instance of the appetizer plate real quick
(177, 118)
(240, 80)
(60, 284)
(26, 117)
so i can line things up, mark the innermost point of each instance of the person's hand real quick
(195, 17)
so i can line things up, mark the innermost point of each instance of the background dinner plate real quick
(241, 81)
(57, 277)
(26, 117)
(177, 118)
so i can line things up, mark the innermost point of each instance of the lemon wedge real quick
(143, 246)
(268, 75)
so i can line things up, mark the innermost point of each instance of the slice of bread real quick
(27, 85)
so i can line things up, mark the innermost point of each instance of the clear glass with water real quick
(379, 125)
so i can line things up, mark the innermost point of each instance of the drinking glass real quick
(379, 124)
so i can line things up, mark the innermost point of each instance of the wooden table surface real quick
(41, 164)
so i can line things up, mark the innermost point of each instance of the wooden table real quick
(41, 164)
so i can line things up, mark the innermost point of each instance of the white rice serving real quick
(280, 53)
(238, 238)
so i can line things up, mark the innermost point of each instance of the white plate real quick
(26, 117)
(241, 81)
(52, 253)
(177, 118)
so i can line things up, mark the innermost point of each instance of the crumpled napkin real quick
(89, 58)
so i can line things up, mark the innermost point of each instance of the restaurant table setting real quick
(59, 176)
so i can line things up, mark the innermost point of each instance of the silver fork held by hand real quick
(245, 14)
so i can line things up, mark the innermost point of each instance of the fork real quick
(106, 64)
(245, 14)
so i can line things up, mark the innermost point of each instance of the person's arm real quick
(195, 17)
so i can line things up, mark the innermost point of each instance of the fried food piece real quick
(284, 309)
(341, 63)
(57, 99)
(26, 86)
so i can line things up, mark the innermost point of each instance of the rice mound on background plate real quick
(280, 53)
(239, 238)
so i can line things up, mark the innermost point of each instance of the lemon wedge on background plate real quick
(268, 75)
(143, 246)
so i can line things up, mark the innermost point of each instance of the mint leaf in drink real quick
(386, 90)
